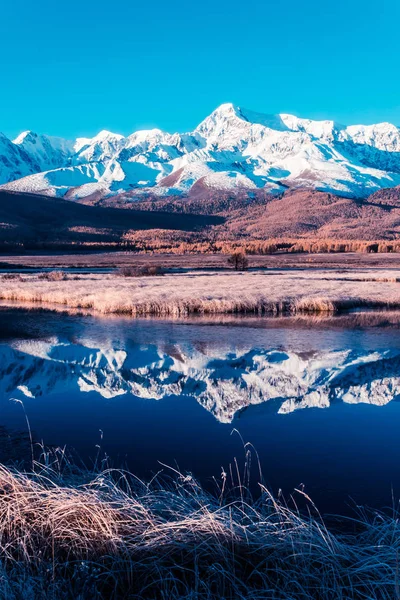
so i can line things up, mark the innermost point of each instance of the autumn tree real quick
(239, 261)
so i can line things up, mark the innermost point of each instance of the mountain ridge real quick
(231, 149)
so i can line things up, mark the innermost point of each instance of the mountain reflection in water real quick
(222, 380)
(173, 392)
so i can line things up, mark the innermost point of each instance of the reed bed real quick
(71, 534)
(182, 294)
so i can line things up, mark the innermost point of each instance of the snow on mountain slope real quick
(14, 161)
(46, 151)
(231, 148)
(222, 381)
(104, 146)
(59, 181)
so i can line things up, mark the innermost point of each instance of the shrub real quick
(151, 270)
(53, 276)
(144, 271)
(9, 276)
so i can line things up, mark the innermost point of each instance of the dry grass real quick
(114, 260)
(268, 292)
(71, 534)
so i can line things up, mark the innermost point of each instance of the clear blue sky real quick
(72, 67)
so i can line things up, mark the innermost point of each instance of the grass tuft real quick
(67, 533)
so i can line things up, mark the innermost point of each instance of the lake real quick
(316, 398)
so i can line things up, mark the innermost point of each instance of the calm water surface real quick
(317, 399)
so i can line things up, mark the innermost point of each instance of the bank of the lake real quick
(209, 292)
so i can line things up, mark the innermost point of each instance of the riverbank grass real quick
(69, 533)
(182, 294)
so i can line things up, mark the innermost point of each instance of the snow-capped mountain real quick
(45, 151)
(232, 148)
(222, 381)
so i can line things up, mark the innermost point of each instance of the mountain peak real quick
(25, 136)
(237, 115)
(146, 133)
(224, 114)
(104, 134)
(227, 108)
